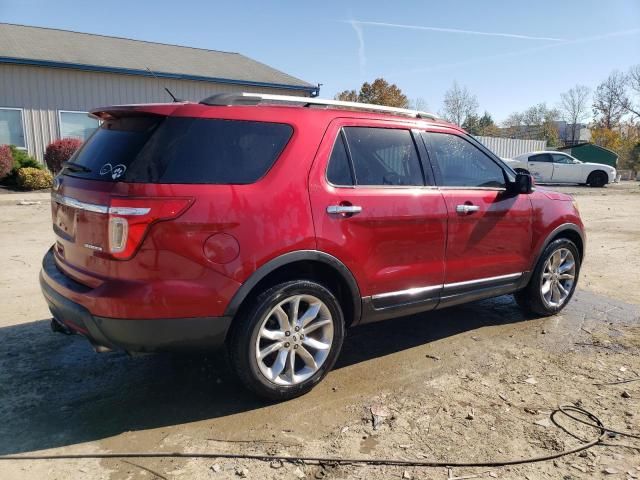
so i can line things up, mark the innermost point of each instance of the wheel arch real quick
(570, 231)
(308, 264)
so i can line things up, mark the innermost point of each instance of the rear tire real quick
(597, 179)
(553, 281)
(281, 351)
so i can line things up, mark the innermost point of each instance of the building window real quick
(12, 127)
(77, 125)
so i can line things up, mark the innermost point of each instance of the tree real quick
(380, 92)
(472, 124)
(574, 105)
(535, 123)
(488, 128)
(633, 80)
(459, 104)
(418, 103)
(610, 101)
(347, 96)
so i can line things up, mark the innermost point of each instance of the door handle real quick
(343, 209)
(464, 209)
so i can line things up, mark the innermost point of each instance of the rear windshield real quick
(180, 150)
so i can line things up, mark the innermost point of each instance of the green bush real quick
(31, 178)
(21, 159)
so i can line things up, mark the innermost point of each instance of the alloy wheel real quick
(558, 277)
(294, 340)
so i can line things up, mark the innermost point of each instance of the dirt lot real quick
(470, 383)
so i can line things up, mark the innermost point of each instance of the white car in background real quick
(558, 167)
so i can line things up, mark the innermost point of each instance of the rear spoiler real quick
(133, 110)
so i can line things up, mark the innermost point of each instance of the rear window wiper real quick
(75, 167)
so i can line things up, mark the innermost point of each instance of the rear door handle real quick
(464, 209)
(343, 209)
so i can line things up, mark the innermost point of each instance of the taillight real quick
(130, 218)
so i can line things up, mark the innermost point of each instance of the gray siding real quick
(511, 147)
(42, 92)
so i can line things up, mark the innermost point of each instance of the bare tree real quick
(633, 80)
(418, 103)
(459, 103)
(610, 101)
(574, 105)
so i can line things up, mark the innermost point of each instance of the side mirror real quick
(522, 184)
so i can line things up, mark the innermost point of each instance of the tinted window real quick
(384, 156)
(181, 150)
(541, 157)
(462, 164)
(339, 171)
(559, 158)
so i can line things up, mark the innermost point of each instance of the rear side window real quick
(462, 164)
(339, 170)
(384, 156)
(181, 150)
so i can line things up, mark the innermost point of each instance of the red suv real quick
(269, 224)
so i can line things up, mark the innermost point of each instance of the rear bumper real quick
(133, 335)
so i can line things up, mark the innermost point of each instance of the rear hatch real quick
(145, 165)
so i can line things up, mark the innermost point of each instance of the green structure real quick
(589, 152)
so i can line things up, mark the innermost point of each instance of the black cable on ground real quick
(594, 422)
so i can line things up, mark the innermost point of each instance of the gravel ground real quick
(475, 382)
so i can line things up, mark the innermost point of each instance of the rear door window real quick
(339, 170)
(541, 157)
(384, 156)
(181, 150)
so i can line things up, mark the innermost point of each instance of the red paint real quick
(189, 261)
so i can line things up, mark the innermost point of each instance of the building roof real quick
(589, 145)
(49, 47)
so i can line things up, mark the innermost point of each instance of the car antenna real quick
(175, 99)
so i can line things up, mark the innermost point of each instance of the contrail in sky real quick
(454, 30)
(361, 51)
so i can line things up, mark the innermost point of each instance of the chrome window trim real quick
(92, 207)
(419, 290)
(490, 189)
(24, 126)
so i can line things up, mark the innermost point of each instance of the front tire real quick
(553, 281)
(287, 340)
(597, 179)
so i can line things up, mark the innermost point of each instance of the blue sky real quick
(511, 54)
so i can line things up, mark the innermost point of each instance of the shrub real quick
(59, 152)
(31, 178)
(6, 161)
(21, 159)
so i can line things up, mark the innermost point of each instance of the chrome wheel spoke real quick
(316, 344)
(291, 366)
(295, 307)
(315, 325)
(566, 276)
(283, 318)
(565, 267)
(278, 366)
(272, 334)
(307, 358)
(274, 347)
(310, 314)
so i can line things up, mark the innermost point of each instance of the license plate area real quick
(65, 222)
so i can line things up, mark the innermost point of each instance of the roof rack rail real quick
(244, 98)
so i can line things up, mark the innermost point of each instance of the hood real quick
(599, 165)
